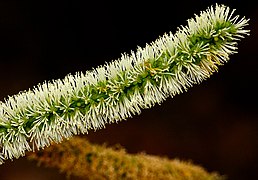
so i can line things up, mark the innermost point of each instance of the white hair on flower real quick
(168, 66)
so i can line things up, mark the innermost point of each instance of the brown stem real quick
(78, 157)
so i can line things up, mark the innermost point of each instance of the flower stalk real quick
(117, 90)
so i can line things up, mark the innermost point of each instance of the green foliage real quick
(119, 89)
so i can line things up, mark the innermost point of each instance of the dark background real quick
(214, 124)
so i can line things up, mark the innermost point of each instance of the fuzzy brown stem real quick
(78, 157)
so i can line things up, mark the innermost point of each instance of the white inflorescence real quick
(119, 89)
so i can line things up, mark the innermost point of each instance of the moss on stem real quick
(78, 157)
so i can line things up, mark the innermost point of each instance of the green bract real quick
(119, 89)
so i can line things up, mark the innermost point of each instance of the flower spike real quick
(168, 66)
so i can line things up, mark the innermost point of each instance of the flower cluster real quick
(117, 90)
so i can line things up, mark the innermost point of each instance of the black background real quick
(214, 124)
